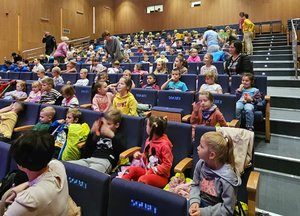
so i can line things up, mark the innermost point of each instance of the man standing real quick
(112, 46)
(211, 39)
(248, 28)
(50, 42)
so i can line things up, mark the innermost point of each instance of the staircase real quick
(279, 161)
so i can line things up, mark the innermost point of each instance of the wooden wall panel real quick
(32, 28)
(130, 15)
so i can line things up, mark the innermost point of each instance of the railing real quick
(36, 52)
(295, 44)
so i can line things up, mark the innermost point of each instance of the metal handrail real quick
(295, 44)
(34, 52)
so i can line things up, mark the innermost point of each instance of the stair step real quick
(284, 83)
(270, 48)
(271, 52)
(275, 43)
(285, 102)
(267, 40)
(273, 57)
(274, 71)
(286, 128)
(285, 114)
(285, 92)
(278, 192)
(270, 35)
(273, 64)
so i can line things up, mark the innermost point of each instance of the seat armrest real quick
(234, 123)
(23, 128)
(80, 145)
(252, 188)
(186, 118)
(86, 106)
(147, 114)
(129, 152)
(183, 165)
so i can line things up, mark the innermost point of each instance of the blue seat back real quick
(3, 75)
(91, 77)
(86, 66)
(136, 79)
(145, 96)
(90, 116)
(189, 80)
(193, 68)
(113, 78)
(182, 142)
(176, 99)
(29, 115)
(5, 158)
(226, 104)
(72, 77)
(5, 103)
(220, 67)
(88, 188)
(14, 75)
(84, 94)
(25, 76)
(133, 129)
(141, 199)
(135, 59)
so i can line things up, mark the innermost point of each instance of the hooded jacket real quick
(216, 188)
(158, 155)
(126, 104)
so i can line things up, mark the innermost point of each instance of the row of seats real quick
(91, 189)
(193, 68)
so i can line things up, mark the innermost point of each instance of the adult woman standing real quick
(238, 63)
(46, 192)
(62, 49)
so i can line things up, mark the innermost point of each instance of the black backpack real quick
(13, 178)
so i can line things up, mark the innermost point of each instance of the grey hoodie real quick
(217, 188)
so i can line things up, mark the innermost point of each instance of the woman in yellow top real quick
(248, 28)
(124, 99)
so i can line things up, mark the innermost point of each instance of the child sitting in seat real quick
(35, 94)
(49, 94)
(41, 75)
(57, 79)
(248, 96)
(210, 84)
(83, 81)
(179, 64)
(205, 112)
(46, 116)
(138, 69)
(102, 101)
(19, 93)
(71, 67)
(151, 82)
(8, 120)
(124, 99)
(208, 59)
(96, 67)
(70, 99)
(127, 74)
(194, 57)
(214, 187)
(156, 158)
(161, 68)
(174, 83)
(104, 144)
(67, 134)
(115, 69)
(162, 57)
(126, 58)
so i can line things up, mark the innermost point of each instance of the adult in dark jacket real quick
(50, 42)
(113, 47)
(238, 63)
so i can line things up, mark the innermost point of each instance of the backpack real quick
(13, 178)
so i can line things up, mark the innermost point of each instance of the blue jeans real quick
(248, 109)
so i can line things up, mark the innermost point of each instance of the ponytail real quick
(158, 126)
(222, 146)
(230, 155)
